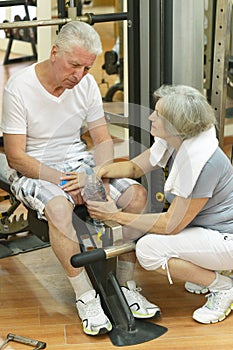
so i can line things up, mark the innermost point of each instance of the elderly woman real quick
(193, 239)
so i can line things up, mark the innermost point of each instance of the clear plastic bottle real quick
(94, 190)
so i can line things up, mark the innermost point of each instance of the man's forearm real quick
(32, 168)
(104, 153)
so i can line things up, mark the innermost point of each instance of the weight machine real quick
(23, 34)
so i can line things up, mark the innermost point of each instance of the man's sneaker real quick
(92, 315)
(139, 305)
(195, 288)
(217, 307)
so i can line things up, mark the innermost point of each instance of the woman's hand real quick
(99, 171)
(102, 210)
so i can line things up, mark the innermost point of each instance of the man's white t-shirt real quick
(52, 124)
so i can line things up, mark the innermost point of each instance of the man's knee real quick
(58, 211)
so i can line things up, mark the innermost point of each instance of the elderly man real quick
(44, 108)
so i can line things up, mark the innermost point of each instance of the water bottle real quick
(94, 190)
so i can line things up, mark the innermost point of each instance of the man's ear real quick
(53, 53)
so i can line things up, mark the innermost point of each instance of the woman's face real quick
(158, 123)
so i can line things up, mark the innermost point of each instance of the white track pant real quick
(203, 247)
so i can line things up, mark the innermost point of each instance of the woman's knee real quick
(144, 253)
(152, 251)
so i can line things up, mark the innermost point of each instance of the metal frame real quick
(33, 57)
(220, 63)
(150, 28)
(208, 45)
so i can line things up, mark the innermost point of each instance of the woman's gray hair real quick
(186, 109)
(79, 34)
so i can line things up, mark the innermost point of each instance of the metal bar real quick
(167, 41)
(108, 17)
(23, 340)
(209, 30)
(13, 3)
(35, 23)
(118, 250)
(134, 77)
(101, 254)
(88, 18)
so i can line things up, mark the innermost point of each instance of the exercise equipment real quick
(25, 29)
(113, 66)
(221, 63)
(23, 340)
(89, 18)
(101, 264)
(27, 34)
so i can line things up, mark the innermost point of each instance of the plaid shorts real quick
(36, 193)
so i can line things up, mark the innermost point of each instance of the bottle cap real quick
(89, 171)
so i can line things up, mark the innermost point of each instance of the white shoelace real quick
(136, 294)
(92, 308)
(215, 300)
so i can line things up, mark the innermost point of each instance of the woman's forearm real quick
(154, 223)
(117, 170)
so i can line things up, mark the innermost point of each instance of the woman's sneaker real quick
(217, 307)
(195, 288)
(139, 305)
(90, 311)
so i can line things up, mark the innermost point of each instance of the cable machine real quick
(166, 46)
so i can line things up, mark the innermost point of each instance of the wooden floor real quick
(37, 301)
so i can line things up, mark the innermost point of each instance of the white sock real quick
(221, 282)
(80, 283)
(125, 270)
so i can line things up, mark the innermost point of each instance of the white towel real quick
(192, 156)
(160, 152)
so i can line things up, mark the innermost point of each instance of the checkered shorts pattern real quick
(36, 193)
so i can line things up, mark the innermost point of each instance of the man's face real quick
(70, 67)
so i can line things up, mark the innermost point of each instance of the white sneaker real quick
(92, 315)
(198, 289)
(217, 307)
(195, 288)
(139, 305)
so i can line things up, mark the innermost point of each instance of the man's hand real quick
(77, 197)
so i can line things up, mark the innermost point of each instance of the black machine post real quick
(149, 66)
